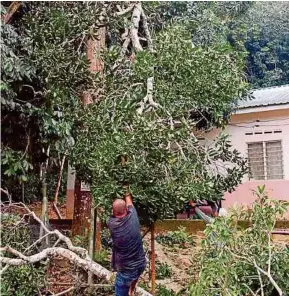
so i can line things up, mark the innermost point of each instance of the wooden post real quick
(70, 192)
(153, 259)
(97, 241)
(82, 208)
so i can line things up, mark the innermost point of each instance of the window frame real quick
(265, 160)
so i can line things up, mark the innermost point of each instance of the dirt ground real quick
(183, 263)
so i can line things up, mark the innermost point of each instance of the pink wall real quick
(269, 121)
(243, 195)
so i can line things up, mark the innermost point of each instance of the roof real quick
(269, 96)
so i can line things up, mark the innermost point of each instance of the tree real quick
(159, 88)
(267, 42)
(142, 130)
(244, 261)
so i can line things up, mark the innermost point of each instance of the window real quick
(265, 160)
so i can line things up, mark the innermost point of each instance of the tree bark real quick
(85, 263)
(135, 19)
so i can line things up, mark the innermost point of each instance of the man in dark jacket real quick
(128, 257)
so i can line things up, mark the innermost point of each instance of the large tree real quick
(160, 87)
(156, 87)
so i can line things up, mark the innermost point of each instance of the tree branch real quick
(79, 256)
(269, 276)
(146, 30)
(135, 19)
(124, 11)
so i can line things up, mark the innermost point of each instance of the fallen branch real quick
(77, 255)
(269, 276)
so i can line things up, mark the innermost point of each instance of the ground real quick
(183, 262)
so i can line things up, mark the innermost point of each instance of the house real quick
(259, 129)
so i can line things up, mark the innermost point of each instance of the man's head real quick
(119, 208)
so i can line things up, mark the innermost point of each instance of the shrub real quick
(23, 280)
(101, 257)
(173, 238)
(244, 261)
(163, 270)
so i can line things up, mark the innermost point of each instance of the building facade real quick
(259, 129)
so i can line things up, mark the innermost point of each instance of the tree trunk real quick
(44, 215)
(153, 259)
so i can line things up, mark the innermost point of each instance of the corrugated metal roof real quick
(269, 96)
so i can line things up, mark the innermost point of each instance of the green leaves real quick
(165, 164)
(229, 252)
(15, 165)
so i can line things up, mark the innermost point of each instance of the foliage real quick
(20, 280)
(236, 261)
(27, 110)
(102, 257)
(15, 164)
(163, 271)
(164, 162)
(180, 238)
(163, 291)
(267, 41)
(80, 240)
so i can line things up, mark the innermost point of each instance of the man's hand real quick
(128, 199)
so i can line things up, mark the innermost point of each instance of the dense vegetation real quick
(45, 72)
(245, 261)
(162, 82)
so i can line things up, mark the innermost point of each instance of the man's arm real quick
(128, 199)
(203, 216)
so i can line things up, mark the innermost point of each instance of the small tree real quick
(245, 261)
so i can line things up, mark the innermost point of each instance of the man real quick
(128, 257)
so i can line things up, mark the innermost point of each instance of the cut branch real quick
(87, 264)
(77, 255)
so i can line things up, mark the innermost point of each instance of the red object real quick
(82, 207)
